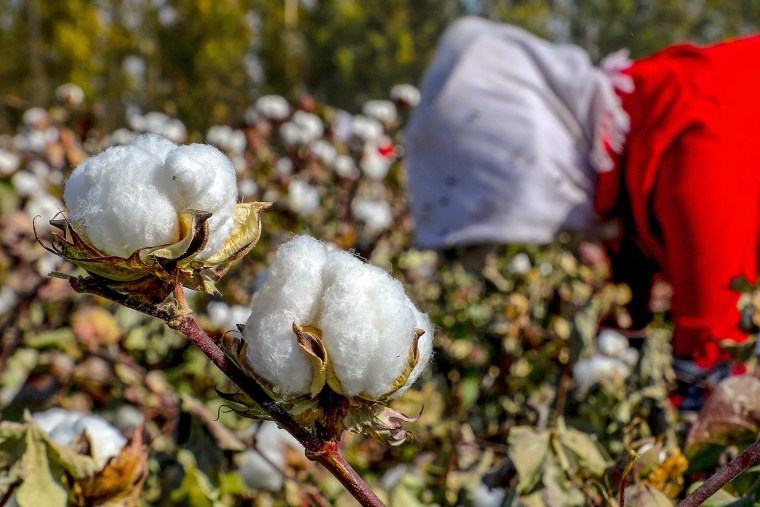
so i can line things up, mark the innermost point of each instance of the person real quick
(517, 139)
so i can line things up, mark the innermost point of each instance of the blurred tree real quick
(205, 61)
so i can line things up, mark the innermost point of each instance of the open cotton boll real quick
(290, 295)
(64, 426)
(114, 203)
(425, 348)
(595, 369)
(199, 176)
(366, 324)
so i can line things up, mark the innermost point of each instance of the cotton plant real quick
(95, 463)
(156, 212)
(327, 326)
(612, 362)
(150, 219)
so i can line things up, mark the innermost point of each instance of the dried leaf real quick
(245, 234)
(528, 448)
(730, 415)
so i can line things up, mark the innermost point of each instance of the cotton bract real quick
(366, 321)
(64, 426)
(128, 197)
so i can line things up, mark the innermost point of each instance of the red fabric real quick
(691, 172)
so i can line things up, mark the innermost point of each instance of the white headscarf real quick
(505, 143)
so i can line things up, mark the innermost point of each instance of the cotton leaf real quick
(528, 448)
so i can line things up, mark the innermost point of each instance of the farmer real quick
(517, 139)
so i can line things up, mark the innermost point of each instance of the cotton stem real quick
(723, 476)
(317, 449)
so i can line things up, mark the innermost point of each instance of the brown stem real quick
(323, 451)
(723, 476)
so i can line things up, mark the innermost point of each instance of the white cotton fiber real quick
(290, 295)
(128, 197)
(367, 325)
(199, 176)
(64, 426)
(113, 200)
(155, 144)
(367, 322)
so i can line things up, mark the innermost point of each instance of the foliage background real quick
(203, 61)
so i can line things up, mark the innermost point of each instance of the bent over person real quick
(517, 139)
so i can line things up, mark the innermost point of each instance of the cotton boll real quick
(487, 497)
(383, 111)
(611, 343)
(303, 198)
(373, 163)
(284, 166)
(520, 263)
(325, 151)
(155, 144)
(114, 203)
(273, 107)
(595, 369)
(8, 299)
(9, 162)
(345, 167)
(376, 215)
(64, 426)
(225, 316)
(26, 183)
(311, 125)
(406, 94)
(367, 325)
(247, 188)
(45, 206)
(121, 136)
(289, 295)
(199, 176)
(261, 468)
(367, 129)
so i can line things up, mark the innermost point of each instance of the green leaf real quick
(584, 451)
(39, 486)
(528, 448)
(16, 371)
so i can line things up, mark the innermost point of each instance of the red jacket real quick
(690, 178)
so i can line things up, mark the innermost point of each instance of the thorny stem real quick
(317, 449)
(723, 476)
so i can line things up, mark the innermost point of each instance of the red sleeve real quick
(692, 173)
(708, 215)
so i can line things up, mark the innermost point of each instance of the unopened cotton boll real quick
(367, 322)
(64, 426)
